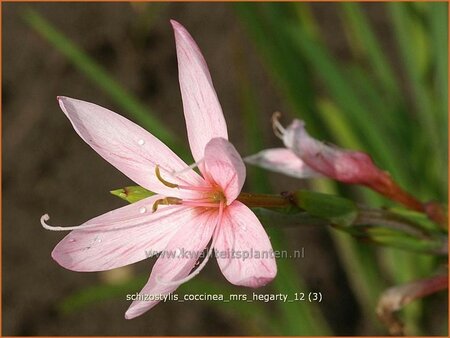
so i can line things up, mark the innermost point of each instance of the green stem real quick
(380, 217)
(265, 200)
(378, 226)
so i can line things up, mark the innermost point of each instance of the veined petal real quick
(121, 237)
(127, 146)
(340, 164)
(284, 161)
(176, 261)
(243, 249)
(202, 110)
(224, 167)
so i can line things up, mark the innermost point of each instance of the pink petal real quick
(176, 261)
(121, 237)
(202, 110)
(127, 146)
(242, 235)
(340, 164)
(284, 161)
(224, 167)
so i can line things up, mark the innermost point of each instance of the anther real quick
(278, 129)
(162, 180)
(166, 201)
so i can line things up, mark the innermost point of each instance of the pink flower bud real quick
(347, 166)
(306, 157)
(331, 161)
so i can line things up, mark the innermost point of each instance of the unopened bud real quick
(343, 165)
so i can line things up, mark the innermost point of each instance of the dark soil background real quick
(48, 168)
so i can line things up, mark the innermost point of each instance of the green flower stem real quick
(380, 217)
(266, 200)
(270, 217)
(377, 226)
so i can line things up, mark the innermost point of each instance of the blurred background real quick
(371, 77)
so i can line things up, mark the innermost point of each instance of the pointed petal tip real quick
(129, 314)
(138, 308)
(175, 23)
(66, 262)
(62, 260)
(54, 255)
(61, 98)
(178, 27)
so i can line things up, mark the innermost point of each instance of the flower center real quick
(210, 196)
(217, 197)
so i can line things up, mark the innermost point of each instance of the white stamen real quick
(142, 210)
(141, 142)
(190, 167)
(46, 226)
(278, 129)
(112, 224)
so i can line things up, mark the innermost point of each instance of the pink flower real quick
(189, 211)
(306, 157)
